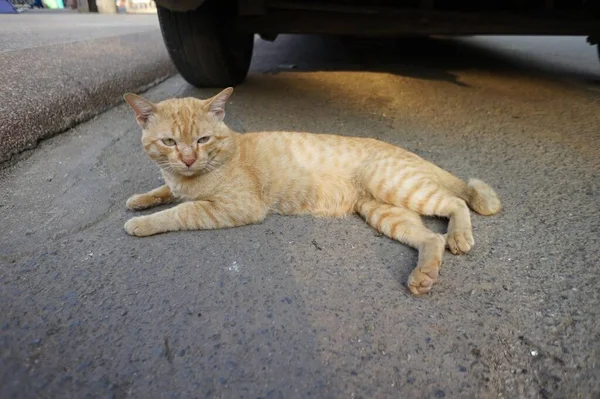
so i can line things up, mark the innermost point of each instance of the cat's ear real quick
(143, 108)
(216, 105)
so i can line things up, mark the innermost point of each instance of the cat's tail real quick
(478, 195)
(481, 197)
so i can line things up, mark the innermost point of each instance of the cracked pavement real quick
(304, 307)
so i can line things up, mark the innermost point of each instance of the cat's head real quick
(184, 136)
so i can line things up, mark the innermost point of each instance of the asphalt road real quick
(299, 307)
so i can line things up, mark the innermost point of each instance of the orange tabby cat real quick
(227, 179)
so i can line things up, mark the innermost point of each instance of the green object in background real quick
(53, 4)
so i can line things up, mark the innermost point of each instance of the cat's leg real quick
(407, 227)
(158, 196)
(411, 187)
(459, 238)
(431, 199)
(425, 197)
(452, 198)
(197, 215)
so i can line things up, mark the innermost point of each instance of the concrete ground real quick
(47, 27)
(299, 307)
(58, 69)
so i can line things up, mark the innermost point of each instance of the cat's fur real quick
(236, 179)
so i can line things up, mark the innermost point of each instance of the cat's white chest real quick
(182, 192)
(189, 190)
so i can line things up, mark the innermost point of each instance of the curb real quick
(47, 90)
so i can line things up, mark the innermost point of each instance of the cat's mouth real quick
(180, 169)
(176, 169)
(187, 172)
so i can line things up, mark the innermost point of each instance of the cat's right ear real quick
(216, 104)
(143, 108)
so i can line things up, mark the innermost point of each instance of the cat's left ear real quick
(143, 108)
(216, 105)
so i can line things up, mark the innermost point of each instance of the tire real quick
(204, 50)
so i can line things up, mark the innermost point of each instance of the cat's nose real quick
(189, 161)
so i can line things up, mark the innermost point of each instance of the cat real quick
(227, 179)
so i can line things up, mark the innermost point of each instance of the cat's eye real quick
(203, 140)
(169, 142)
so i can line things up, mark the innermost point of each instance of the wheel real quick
(203, 46)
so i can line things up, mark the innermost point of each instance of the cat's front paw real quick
(141, 226)
(460, 242)
(139, 201)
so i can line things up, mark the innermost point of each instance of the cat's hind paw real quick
(422, 278)
(460, 242)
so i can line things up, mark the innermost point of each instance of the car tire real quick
(206, 51)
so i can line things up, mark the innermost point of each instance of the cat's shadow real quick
(399, 258)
